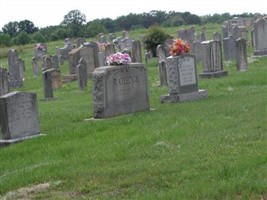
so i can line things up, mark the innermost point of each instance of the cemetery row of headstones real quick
(116, 89)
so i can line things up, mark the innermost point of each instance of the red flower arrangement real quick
(179, 47)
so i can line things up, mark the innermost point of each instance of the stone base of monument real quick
(6, 142)
(191, 96)
(215, 74)
(259, 53)
(69, 78)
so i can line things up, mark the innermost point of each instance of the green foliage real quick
(5, 39)
(74, 17)
(38, 37)
(94, 28)
(23, 38)
(155, 36)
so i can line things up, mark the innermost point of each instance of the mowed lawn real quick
(213, 148)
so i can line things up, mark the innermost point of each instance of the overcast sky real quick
(51, 12)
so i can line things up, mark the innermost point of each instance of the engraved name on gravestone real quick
(181, 74)
(18, 115)
(120, 90)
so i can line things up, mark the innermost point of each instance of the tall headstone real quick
(136, 51)
(82, 74)
(4, 87)
(212, 59)
(120, 90)
(229, 48)
(196, 50)
(18, 116)
(35, 67)
(89, 53)
(14, 69)
(260, 37)
(56, 78)
(187, 35)
(241, 55)
(161, 58)
(182, 80)
(47, 84)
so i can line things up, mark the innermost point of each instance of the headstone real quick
(102, 39)
(212, 62)
(63, 53)
(35, 67)
(18, 116)
(260, 37)
(136, 51)
(217, 36)
(14, 69)
(101, 58)
(196, 50)
(47, 63)
(40, 50)
(89, 53)
(47, 83)
(187, 35)
(4, 87)
(109, 49)
(120, 90)
(161, 58)
(182, 80)
(74, 57)
(21, 68)
(111, 37)
(241, 55)
(229, 48)
(56, 78)
(55, 61)
(80, 41)
(82, 74)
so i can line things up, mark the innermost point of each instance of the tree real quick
(23, 38)
(74, 17)
(94, 28)
(11, 28)
(27, 26)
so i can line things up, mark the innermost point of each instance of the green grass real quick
(214, 148)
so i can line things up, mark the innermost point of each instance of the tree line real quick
(74, 25)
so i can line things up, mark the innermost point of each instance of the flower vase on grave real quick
(181, 75)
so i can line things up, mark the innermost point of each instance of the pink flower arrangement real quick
(179, 47)
(118, 59)
(40, 47)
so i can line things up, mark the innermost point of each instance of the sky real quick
(51, 12)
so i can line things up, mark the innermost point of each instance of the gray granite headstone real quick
(260, 37)
(161, 58)
(82, 74)
(35, 67)
(136, 51)
(241, 55)
(229, 48)
(120, 90)
(212, 59)
(89, 53)
(18, 115)
(47, 84)
(182, 80)
(4, 87)
(14, 69)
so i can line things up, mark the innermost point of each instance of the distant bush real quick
(155, 36)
